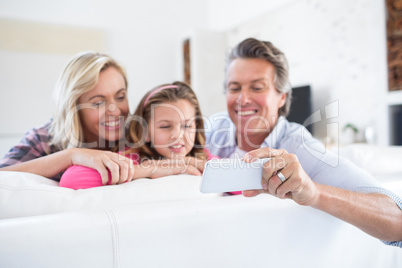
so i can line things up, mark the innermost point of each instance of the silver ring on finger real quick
(281, 177)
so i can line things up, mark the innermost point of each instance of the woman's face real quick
(103, 110)
(172, 128)
(252, 100)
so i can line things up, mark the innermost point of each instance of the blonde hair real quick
(79, 76)
(138, 131)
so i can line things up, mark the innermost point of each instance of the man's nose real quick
(243, 98)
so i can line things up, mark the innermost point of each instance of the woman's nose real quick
(113, 110)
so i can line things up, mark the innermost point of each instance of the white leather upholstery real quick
(217, 232)
(24, 194)
(168, 223)
(377, 160)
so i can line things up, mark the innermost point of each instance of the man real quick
(258, 97)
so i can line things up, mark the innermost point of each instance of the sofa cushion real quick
(24, 194)
(380, 161)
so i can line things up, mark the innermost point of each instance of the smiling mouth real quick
(111, 123)
(246, 113)
(178, 146)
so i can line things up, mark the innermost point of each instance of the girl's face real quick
(172, 128)
(104, 109)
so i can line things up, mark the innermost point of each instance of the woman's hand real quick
(296, 184)
(121, 168)
(159, 168)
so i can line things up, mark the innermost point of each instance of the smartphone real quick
(229, 175)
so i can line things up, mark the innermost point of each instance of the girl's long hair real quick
(138, 134)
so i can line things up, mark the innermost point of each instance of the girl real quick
(165, 137)
(91, 107)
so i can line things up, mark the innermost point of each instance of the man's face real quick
(252, 99)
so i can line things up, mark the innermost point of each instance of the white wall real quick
(144, 36)
(225, 14)
(207, 70)
(336, 46)
(209, 46)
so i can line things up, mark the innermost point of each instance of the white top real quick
(238, 153)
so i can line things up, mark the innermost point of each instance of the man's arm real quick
(375, 214)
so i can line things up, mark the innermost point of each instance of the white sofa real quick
(168, 223)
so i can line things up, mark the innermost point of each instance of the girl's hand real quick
(121, 168)
(296, 184)
(159, 168)
(196, 162)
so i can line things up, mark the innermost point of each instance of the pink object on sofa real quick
(80, 177)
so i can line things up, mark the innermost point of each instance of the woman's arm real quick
(34, 154)
(121, 167)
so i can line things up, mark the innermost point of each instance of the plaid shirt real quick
(35, 144)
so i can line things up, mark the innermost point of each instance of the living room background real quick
(338, 48)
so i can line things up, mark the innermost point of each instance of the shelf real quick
(394, 97)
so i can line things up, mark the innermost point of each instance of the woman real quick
(258, 98)
(91, 108)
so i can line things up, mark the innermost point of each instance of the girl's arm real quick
(200, 163)
(154, 169)
(80, 177)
